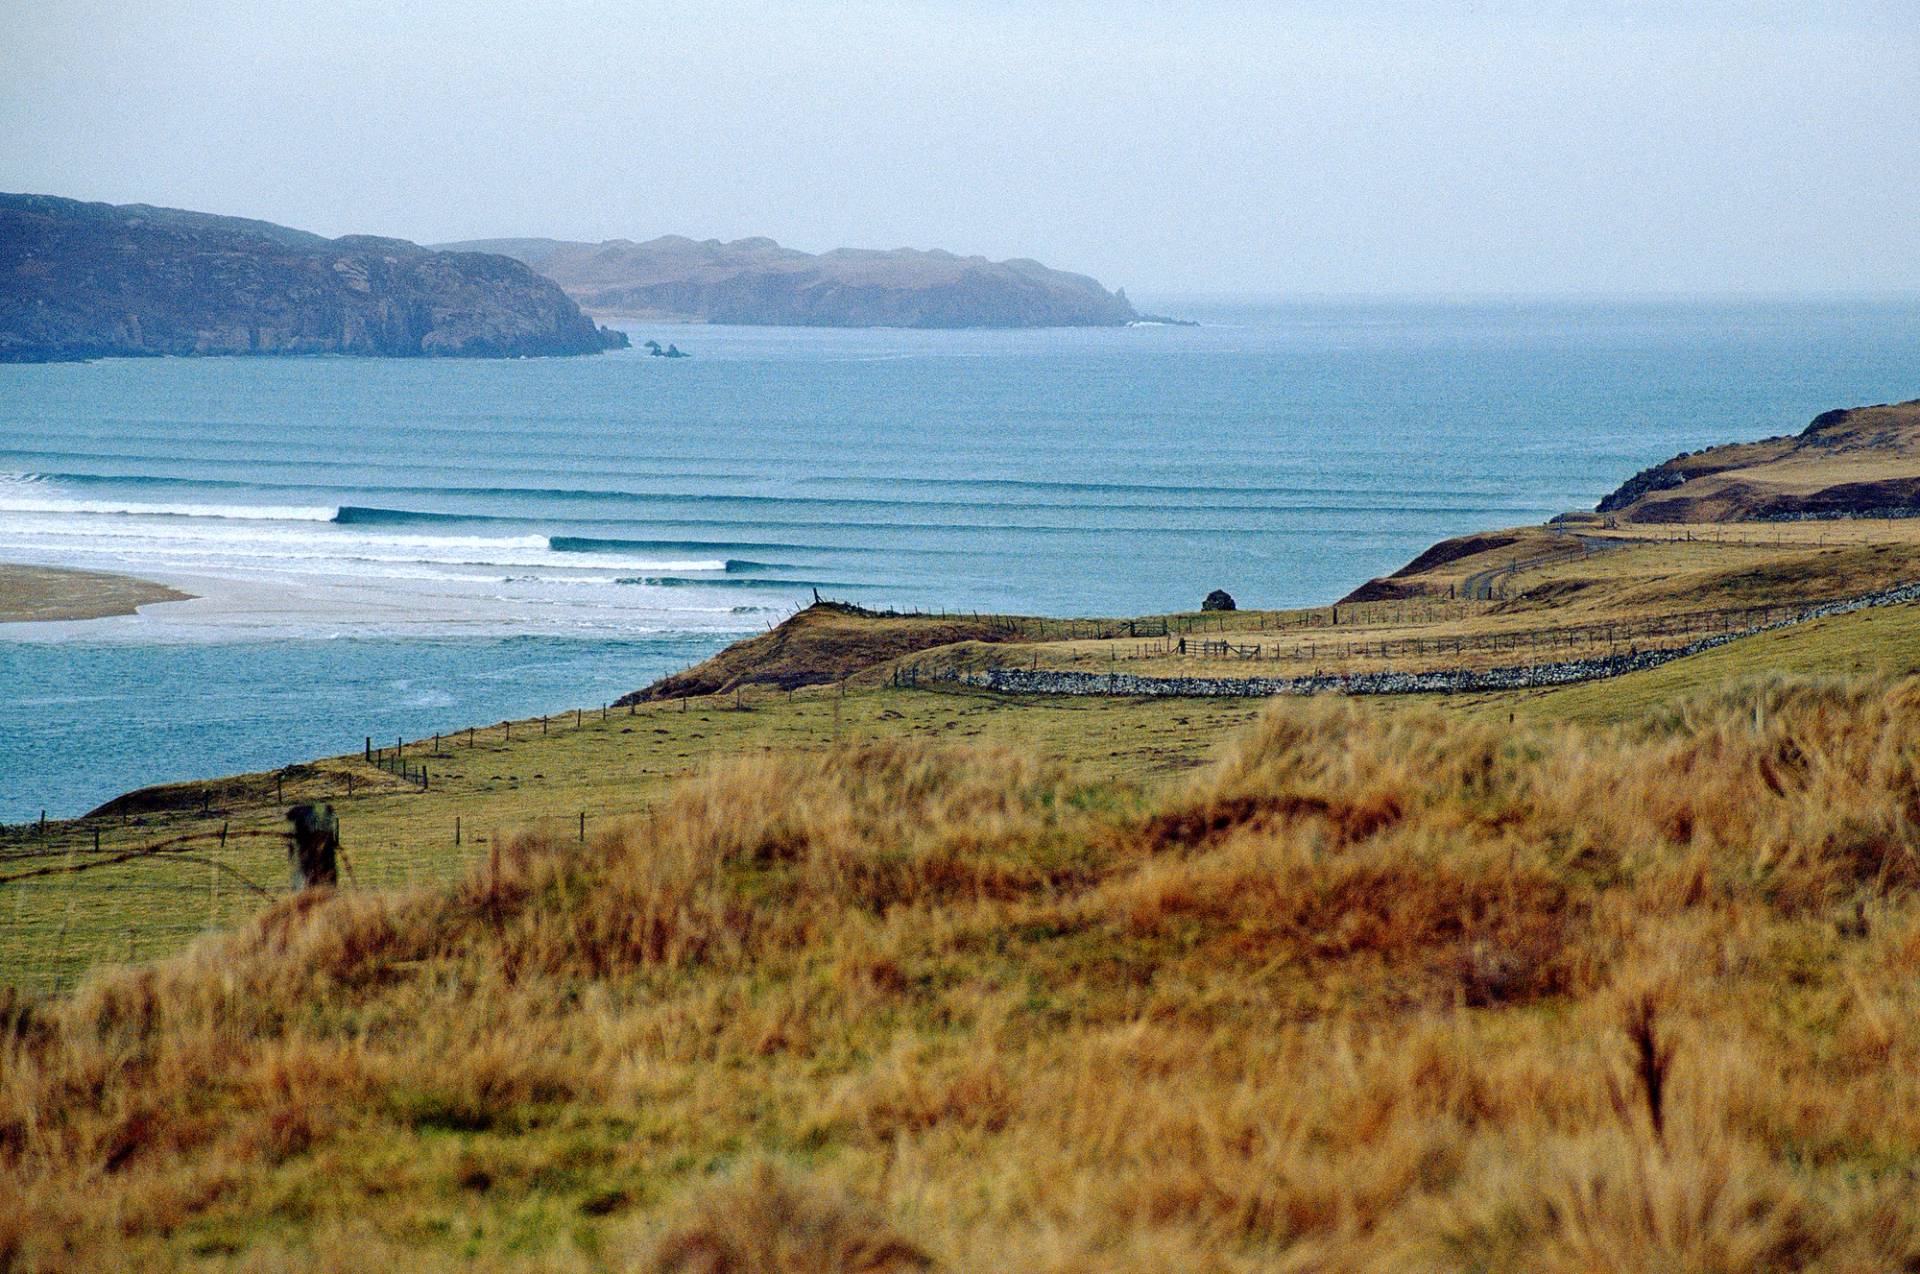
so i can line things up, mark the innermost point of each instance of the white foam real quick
(216, 541)
(292, 569)
(136, 508)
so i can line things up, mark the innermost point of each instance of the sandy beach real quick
(43, 593)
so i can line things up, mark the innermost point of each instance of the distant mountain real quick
(80, 280)
(757, 281)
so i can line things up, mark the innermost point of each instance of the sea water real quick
(393, 546)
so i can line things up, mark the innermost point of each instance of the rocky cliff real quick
(756, 281)
(80, 280)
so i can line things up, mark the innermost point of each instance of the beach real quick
(32, 594)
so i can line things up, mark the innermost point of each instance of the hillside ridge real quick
(87, 280)
(1850, 462)
(756, 281)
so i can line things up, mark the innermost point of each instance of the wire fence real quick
(154, 868)
(66, 907)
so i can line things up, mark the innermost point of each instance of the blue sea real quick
(396, 547)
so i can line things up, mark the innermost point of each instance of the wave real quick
(733, 581)
(589, 544)
(364, 515)
(963, 494)
(213, 541)
(136, 508)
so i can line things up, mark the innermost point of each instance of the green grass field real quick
(615, 768)
(608, 769)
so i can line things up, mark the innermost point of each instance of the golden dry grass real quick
(1371, 992)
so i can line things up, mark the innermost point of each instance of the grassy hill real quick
(1847, 463)
(1369, 991)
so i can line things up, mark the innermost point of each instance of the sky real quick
(1178, 149)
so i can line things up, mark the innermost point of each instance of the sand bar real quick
(39, 593)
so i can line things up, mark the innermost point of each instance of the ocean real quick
(395, 547)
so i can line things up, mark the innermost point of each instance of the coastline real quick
(46, 594)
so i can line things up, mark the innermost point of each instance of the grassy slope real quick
(58, 926)
(1860, 458)
(1377, 991)
(52, 928)
(1874, 646)
(821, 644)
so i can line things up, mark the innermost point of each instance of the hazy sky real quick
(1373, 147)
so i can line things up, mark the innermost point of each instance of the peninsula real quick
(85, 280)
(758, 282)
(1849, 463)
(31, 594)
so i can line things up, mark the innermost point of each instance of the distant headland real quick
(1855, 462)
(85, 280)
(756, 281)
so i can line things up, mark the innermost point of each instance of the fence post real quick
(456, 831)
(369, 752)
(583, 827)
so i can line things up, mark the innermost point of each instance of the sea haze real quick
(624, 514)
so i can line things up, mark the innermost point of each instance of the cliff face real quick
(1857, 462)
(756, 281)
(80, 280)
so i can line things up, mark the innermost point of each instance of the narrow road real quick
(1483, 586)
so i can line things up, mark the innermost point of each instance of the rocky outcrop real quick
(80, 280)
(756, 281)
